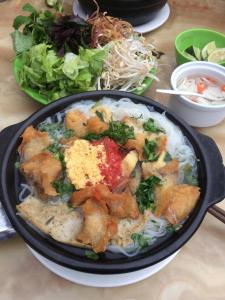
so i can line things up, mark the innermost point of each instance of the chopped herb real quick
(140, 240)
(150, 126)
(63, 187)
(55, 148)
(17, 165)
(120, 132)
(56, 130)
(93, 136)
(173, 228)
(90, 254)
(150, 150)
(189, 178)
(69, 133)
(49, 220)
(153, 221)
(117, 131)
(167, 157)
(145, 193)
(100, 115)
(137, 118)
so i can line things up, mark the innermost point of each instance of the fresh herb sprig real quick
(140, 240)
(150, 150)
(145, 193)
(62, 187)
(120, 132)
(56, 130)
(56, 149)
(91, 255)
(151, 126)
(36, 28)
(117, 131)
(173, 228)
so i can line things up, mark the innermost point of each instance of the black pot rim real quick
(145, 260)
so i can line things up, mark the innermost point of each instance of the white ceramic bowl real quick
(195, 114)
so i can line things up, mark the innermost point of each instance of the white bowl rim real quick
(212, 66)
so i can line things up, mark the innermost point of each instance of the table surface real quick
(198, 271)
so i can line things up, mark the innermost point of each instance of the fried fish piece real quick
(121, 205)
(79, 197)
(176, 202)
(95, 125)
(58, 220)
(170, 168)
(33, 143)
(136, 144)
(77, 121)
(96, 230)
(42, 169)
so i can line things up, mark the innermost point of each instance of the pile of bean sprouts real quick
(128, 63)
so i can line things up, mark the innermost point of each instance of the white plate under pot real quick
(96, 280)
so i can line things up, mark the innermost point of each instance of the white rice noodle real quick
(154, 228)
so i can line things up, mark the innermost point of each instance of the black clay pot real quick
(136, 12)
(211, 174)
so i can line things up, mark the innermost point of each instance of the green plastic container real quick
(34, 93)
(198, 38)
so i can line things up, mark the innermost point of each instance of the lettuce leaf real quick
(55, 77)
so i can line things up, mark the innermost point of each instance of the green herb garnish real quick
(117, 131)
(173, 228)
(150, 150)
(90, 254)
(140, 240)
(145, 193)
(150, 126)
(55, 148)
(69, 133)
(167, 157)
(93, 136)
(100, 115)
(35, 30)
(17, 165)
(189, 178)
(120, 132)
(56, 130)
(62, 187)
